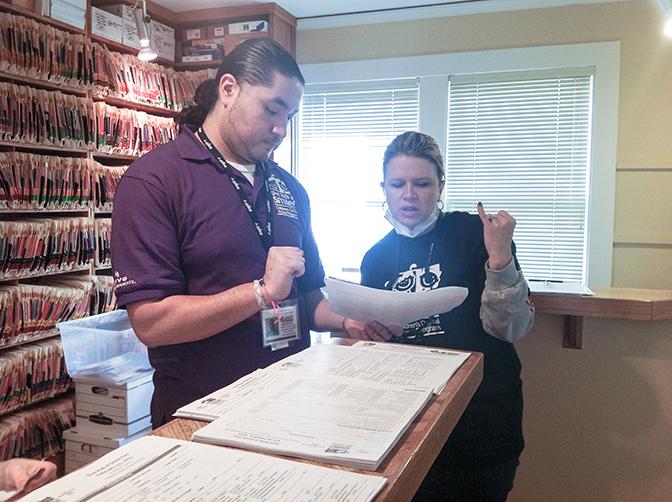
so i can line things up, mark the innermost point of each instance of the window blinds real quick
(521, 142)
(343, 131)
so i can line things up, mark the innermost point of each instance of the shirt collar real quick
(190, 147)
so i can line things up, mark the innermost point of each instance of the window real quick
(343, 131)
(595, 148)
(522, 143)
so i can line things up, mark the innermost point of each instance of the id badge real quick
(280, 326)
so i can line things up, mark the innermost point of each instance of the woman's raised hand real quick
(498, 236)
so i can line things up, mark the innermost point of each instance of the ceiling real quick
(303, 9)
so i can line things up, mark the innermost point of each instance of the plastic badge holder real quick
(103, 347)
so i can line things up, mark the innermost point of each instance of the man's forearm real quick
(189, 318)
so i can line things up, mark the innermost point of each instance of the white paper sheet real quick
(223, 400)
(327, 419)
(392, 308)
(395, 364)
(156, 468)
(559, 288)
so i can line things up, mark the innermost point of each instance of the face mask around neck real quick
(419, 229)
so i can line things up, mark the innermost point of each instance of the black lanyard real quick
(265, 236)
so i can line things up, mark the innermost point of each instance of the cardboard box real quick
(82, 448)
(218, 31)
(230, 41)
(204, 46)
(130, 30)
(107, 25)
(72, 12)
(196, 59)
(123, 403)
(106, 426)
(71, 466)
(193, 33)
(162, 40)
(259, 25)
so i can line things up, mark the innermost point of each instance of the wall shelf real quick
(114, 156)
(44, 84)
(42, 211)
(31, 147)
(34, 336)
(607, 303)
(19, 277)
(134, 105)
(15, 9)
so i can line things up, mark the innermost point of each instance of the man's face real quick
(256, 122)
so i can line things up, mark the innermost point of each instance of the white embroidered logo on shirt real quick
(284, 202)
(120, 282)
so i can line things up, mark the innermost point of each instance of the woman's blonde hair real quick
(415, 144)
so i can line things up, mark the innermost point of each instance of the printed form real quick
(326, 418)
(156, 468)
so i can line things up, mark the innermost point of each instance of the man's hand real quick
(498, 236)
(282, 266)
(373, 330)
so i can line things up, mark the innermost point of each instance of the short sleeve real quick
(145, 247)
(313, 278)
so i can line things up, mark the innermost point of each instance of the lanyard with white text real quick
(265, 236)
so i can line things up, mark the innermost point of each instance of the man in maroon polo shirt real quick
(211, 239)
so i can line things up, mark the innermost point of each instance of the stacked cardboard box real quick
(211, 43)
(108, 416)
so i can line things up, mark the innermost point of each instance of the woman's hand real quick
(498, 236)
(25, 474)
(373, 330)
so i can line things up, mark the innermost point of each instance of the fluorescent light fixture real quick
(666, 7)
(146, 53)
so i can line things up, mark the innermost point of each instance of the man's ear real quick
(228, 89)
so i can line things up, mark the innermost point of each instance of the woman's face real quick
(412, 189)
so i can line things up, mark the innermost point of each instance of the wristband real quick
(259, 294)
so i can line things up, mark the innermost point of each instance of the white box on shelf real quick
(199, 59)
(82, 448)
(162, 40)
(130, 31)
(69, 12)
(107, 25)
(123, 403)
(248, 27)
(71, 466)
(108, 427)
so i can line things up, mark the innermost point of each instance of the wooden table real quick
(408, 463)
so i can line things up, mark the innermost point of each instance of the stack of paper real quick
(330, 403)
(401, 365)
(325, 418)
(154, 468)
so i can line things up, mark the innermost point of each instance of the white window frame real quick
(434, 72)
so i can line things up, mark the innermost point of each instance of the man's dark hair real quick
(255, 62)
